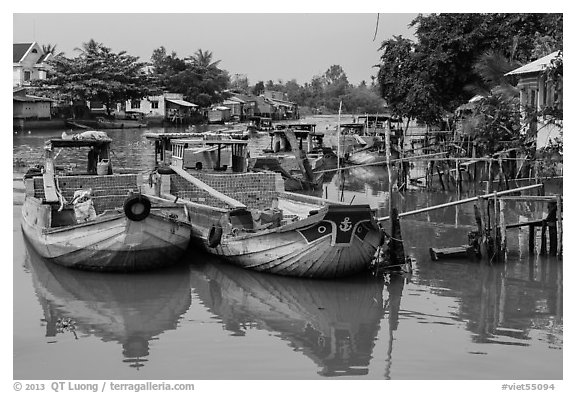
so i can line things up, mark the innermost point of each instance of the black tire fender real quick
(214, 236)
(137, 207)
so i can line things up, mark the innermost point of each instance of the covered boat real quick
(248, 219)
(296, 152)
(98, 220)
(362, 142)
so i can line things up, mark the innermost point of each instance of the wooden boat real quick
(130, 310)
(103, 123)
(334, 323)
(296, 152)
(98, 220)
(248, 218)
(257, 124)
(362, 142)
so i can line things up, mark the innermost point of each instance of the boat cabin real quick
(258, 123)
(95, 152)
(308, 140)
(211, 153)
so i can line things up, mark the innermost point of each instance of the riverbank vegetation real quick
(453, 58)
(458, 56)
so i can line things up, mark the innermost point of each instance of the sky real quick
(261, 46)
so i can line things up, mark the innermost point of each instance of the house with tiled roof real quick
(537, 93)
(29, 63)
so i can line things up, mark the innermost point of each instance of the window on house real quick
(135, 104)
(27, 76)
(154, 104)
(34, 51)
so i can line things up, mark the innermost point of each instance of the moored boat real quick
(98, 220)
(296, 152)
(248, 219)
(362, 142)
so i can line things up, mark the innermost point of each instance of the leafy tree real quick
(240, 84)
(98, 74)
(405, 84)
(495, 124)
(258, 88)
(197, 77)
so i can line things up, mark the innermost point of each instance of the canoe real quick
(100, 221)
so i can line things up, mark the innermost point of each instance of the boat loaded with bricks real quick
(96, 219)
(248, 219)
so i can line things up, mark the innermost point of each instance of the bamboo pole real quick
(462, 201)
(559, 219)
(381, 162)
(502, 226)
(389, 170)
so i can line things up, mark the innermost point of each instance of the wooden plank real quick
(451, 252)
(50, 194)
(203, 186)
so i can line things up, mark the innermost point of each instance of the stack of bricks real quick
(255, 190)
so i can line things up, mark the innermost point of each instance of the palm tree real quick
(203, 59)
(491, 68)
(51, 49)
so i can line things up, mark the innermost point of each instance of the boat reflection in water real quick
(334, 323)
(130, 309)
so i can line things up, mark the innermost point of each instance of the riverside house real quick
(168, 107)
(29, 63)
(537, 93)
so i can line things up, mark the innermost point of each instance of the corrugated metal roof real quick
(31, 99)
(182, 103)
(19, 50)
(535, 66)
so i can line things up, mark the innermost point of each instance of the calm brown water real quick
(206, 320)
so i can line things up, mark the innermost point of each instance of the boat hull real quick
(112, 243)
(313, 248)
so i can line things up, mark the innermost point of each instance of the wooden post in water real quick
(502, 228)
(551, 222)
(543, 237)
(396, 244)
(389, 170)
(489, 183)
(559, 220)
(440, 177)
(531, 235)
(485, 228)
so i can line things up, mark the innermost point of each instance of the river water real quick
(458, 320)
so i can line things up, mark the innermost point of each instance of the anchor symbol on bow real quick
(345, 225)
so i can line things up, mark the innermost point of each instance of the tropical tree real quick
(197, 77)
(98, 74)
(51, 49)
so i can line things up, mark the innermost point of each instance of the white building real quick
(538, 93)
(29, 63)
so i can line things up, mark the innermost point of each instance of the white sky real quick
(261, 46)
